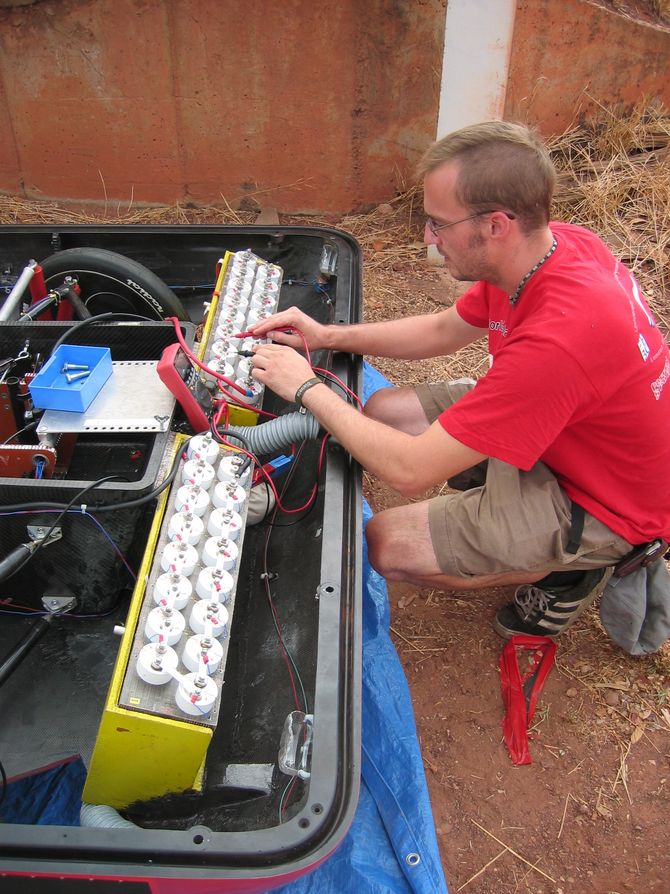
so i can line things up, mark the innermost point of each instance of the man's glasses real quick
(435, 227)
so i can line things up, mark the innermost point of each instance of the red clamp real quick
(520, 692)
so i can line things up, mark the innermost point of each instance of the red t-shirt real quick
(580, 381)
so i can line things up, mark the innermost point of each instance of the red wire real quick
(315, 489)
(271, 483)
(327, 372)
(235, 403)
(290, 330)
(288, 794)
(221, 411)
(281, 643)
(191, 356)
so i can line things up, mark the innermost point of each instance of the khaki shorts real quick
(517, 521)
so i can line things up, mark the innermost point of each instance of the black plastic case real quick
(51, 704)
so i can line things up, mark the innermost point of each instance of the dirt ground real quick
(585, 816)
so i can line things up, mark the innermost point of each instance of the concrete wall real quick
(569, 55)
(296, 104)
(165, 100)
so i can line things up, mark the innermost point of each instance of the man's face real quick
(462, 243)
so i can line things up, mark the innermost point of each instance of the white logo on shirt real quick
(498, 326)
(643, 346)
(657, 386)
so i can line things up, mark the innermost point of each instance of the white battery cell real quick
(235, 304)
(256, 314)
(206, 614)
(271, 288)
(220, 552)
(194, 699)
(179, 558)
(202, 648)
(244, 367)
(235, 318)
(222, 349)
(224, 522)
(229, 495)
(222, 368)
(225, 331)
(192, 498)
(164, 624)
(172, 589)
(155, 662)
(214, 584)
(252, 391)
(203, 447)
(262, 301)
(186, 527)
(229, 468)
(197, 471)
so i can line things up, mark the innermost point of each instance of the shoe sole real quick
(508, 632)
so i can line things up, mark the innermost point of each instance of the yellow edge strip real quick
(216, 294)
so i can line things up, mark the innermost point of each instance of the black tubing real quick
(110, 281)
(12, 660)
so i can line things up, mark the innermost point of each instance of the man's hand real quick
(280, 368)
(314, 333)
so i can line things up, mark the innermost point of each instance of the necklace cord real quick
(517, 293)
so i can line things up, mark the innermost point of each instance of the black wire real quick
(108, 507)
(36, 309)
(3, 792)
(40, 543)
(220, 433)
(110, 315)
(20, 432)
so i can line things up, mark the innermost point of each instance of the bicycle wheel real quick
(112, 282)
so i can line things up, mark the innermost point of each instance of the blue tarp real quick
(394, 822)
(48, 796)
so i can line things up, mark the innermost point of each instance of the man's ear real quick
(499, 224)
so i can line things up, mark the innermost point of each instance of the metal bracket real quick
(37, 534)
(58, 605)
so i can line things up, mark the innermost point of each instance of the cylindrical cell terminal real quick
(167, 624)
(179, 558)
(197, 471)
(220, 552)
(195, 695)
(229, 469)
(214, 584)
(155, 662)
(186, 527)
(203, 447)
(192, 498)
(173, 586)
(229, 495)
(224, 522)
(213, 612)
(200, 647)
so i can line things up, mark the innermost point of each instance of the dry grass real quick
(614, 178)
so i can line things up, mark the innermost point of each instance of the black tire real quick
(112, 282)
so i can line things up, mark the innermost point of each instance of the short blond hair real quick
(501, 165)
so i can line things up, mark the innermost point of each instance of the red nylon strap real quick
(519, 693)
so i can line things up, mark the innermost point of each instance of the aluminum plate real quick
(132, 399)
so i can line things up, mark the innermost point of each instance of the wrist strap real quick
(310, 383)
